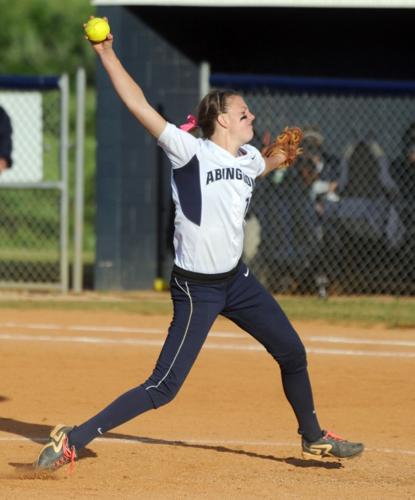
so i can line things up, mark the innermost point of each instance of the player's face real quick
(240, 119)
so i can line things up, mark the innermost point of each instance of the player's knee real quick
(162, 394)
(294, 361)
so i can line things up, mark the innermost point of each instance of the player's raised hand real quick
(97, 31)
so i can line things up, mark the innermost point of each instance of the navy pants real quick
(247, 303)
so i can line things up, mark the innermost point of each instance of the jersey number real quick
(247, 201)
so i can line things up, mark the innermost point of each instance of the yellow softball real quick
(97, 29)
(159, 285)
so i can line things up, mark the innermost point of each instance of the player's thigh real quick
(195, 306)
(257, 312)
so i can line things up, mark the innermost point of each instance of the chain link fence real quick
(341, 220)
(33, 192)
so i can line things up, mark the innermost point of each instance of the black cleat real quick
(330, 445)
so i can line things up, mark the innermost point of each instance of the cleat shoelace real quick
(68, 455)
(332, 435)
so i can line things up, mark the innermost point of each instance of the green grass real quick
(388, 311)
(365, 311)
(30, 256)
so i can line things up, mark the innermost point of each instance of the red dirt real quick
(229, 434)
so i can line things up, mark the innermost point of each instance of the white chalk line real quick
(214, 333)
(200, 442)
(105, 329)
(346, 340)
(209, 345)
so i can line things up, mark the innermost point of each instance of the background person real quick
(403, 173)
(324, 185)
(5, 140)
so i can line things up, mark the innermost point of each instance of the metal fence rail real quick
(341, 220)
(34, 191)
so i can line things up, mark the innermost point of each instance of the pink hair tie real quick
(190, 124)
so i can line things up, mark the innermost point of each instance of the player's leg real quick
(195, 309)
(254, 309)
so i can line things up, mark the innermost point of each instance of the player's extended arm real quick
(128, 90)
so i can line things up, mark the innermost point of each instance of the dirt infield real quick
(229, 434)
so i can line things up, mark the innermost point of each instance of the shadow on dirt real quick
(40, 432)
(37, 433)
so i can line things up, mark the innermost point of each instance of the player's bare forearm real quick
(274, 163)
(130, 92)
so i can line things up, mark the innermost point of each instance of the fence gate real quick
(34, 191)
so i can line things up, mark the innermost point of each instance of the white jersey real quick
(211, 191)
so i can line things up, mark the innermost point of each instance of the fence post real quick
(204, 75)
(79, 181)
(64, 149)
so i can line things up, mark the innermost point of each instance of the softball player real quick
(212, 183)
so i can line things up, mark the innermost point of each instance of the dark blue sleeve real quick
(5, 136)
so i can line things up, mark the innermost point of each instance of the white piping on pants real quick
(187, 292)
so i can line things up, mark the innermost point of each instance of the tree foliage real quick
(44, 37)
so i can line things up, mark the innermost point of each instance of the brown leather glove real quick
(287, 143)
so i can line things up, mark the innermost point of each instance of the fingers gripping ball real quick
(97, 29)
(288, 143)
